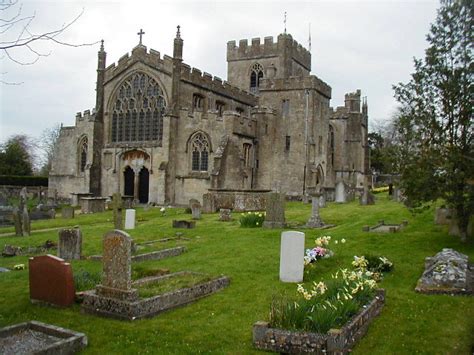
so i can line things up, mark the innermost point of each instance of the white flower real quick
(335, 242)
(162, 209)
(343, 240)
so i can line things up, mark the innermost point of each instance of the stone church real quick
(164, 132)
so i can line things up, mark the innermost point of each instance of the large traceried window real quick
(256, 74)
(82, 148)
(199, 146)
(138, 110)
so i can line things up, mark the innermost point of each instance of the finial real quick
(309, 38)
(102, 45)
(141, 33)
(178, 33)
(285, 22)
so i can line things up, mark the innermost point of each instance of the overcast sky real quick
(367, 45)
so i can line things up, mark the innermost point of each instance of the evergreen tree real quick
(15, 158)
(436, 124)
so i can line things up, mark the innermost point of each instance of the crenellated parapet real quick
(269, 48)
(140, 54)
(86, 116)
(215, 84)
(311, 82)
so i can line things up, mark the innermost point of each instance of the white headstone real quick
(341, 192)
(291, 256)
(129, 219)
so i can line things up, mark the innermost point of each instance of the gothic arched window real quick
(138, 109)
(256, 74)
(82, 148)
(199, 147)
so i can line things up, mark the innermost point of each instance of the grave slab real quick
(130, 219)
(291, 256)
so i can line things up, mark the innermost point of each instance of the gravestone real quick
(11, 250)
(51, 281)
(366, 198)
(130, 219)
(275, 211)
(67, 212)
(70, 244)
(446, 272)
(92, 204)
(322, 199)
(17, 216)
(183, 224)
(195, 206)
(315, 220)
(117, 267)
(117, 208)
(225, 215)
(292, 256)
(341, 194)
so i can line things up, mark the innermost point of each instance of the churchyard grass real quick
(222, 323)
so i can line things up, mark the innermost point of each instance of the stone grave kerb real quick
(117, 208)
(117, 267)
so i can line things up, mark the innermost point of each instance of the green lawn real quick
(222, 323)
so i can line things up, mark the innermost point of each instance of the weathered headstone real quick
(322, 199)
(17, 220)
(51, 281)
(275, 211)
(70, 244)
(292, 256)
(11, 250)
(67, 212)
(130, 218)
(92, 204)
(117, 267)
(208, 203)
(195, 206)
(225, 215)
(117, 208)
(26, 223)
(341, 194)
(315, 220)
(184, 224)
(366, 198)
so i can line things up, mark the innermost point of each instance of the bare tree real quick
(17, 34)
(46, 145)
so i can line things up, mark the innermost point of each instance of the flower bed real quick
(334, 341)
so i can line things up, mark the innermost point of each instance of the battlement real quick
(87, 115)
(139, 53)
(296, 83)
(269, 48)
(206, 81)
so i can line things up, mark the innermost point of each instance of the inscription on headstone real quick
(70, 244)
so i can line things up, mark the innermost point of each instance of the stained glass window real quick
(82, 154)
(138, 111)
(199, 152)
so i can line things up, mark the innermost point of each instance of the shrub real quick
(252, 219)
(85, 280)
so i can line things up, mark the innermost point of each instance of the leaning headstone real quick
(130, 218)
(315, 220)
(117, 208)
(225, 215)
(67, 212)
(117, 267)
(292, 256)
(275, 211)
(195, 206)
(446, 272)
(70, 244)
(51, 281)
(341, 195)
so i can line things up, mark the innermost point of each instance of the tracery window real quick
(256, 74)
(138, 110)
(199, 147)
(82, 154)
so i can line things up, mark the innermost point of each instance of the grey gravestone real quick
(17, 216)
(130, 218)
(117, 208)
(341, 194)
(366, 198)
(183, 224)
(292, 256)
(67, 212)
(225, 215)
(10, 250)
(443, 215)
(322, 199)
(315, 219)
(70, 244)
(208, 203)
(275, 211)
(195, 206)
(446, 272)
(117, 267)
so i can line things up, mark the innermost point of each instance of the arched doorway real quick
(143, 185)
(128, 181)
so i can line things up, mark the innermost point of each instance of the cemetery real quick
(210, 288)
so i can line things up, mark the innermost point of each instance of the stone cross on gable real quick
(141, 33)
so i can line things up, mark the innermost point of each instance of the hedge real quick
(14, 180)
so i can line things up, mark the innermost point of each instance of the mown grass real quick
(410, 322)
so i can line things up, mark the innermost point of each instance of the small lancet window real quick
(82, 154)
(198, 102)
(256, 75)
(220, 108)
